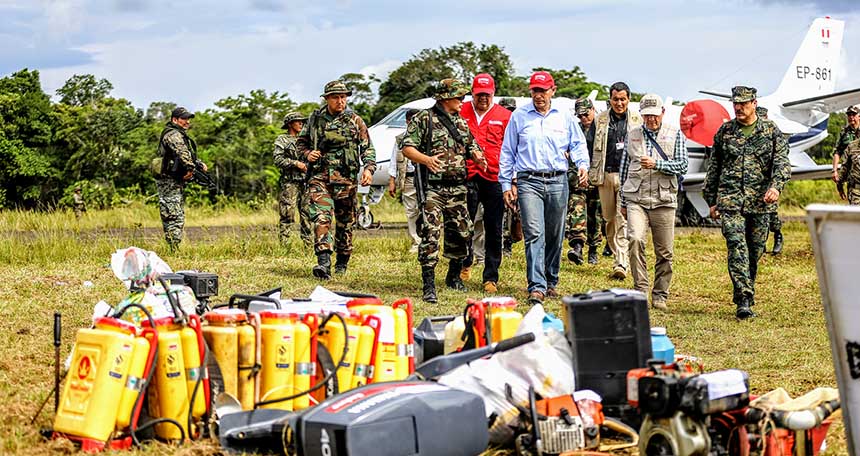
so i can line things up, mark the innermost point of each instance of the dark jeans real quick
(489, 194)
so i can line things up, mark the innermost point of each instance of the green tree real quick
(415, 78)
(823, 151)
(84, 90)
(362, 98)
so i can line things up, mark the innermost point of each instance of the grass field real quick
(45, 259)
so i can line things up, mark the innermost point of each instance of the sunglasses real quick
(582, 115)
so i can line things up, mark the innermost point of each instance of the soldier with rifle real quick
(178, 165)
(438, 140)
(335, 144)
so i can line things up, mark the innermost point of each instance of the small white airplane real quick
(801, 107)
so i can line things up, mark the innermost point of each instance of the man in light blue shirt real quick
(540, 143)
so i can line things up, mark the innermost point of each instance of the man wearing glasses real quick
(747, 170)
(439, 141)
(487, 122)
(540, 142)
(850, 133)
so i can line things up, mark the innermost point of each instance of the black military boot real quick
(575, 253)
(744, 311)
(777, 242)
(453, 280)
(323, 268)
(428, 276)
(592, 255)
(607, 252)
(340, 264)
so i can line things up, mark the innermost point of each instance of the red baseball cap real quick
(541, 80)
(483, 83)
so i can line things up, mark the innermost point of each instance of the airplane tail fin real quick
(816, 65)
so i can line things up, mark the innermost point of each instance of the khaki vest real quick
(648, 187)
(601, 134)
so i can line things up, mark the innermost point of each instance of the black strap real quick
(656, 145)
(446, 122)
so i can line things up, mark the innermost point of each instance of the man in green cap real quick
(336, 145)
(747, 170)
(850, 133)
(178, 153)
(292, 182)
(584, 221)
(439, 141)
(848, 146)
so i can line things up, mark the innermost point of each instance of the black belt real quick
(410, 174)
(611, 169)
(544, 174)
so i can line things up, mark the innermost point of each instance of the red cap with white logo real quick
(483, 83)
(541, 80)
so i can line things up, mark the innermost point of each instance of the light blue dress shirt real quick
(536, 142)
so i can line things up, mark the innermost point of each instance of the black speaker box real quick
(610, 334)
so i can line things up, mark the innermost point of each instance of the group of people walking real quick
(560, 173)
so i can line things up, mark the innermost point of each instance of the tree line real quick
(104, 144)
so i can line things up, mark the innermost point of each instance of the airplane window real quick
(396, 119)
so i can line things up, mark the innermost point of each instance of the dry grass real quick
(786, 346)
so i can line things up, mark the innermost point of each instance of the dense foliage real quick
(103, 144)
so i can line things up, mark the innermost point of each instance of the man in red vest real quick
(487, 121)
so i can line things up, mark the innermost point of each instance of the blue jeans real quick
(543, 207)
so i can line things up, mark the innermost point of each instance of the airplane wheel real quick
(365, 217)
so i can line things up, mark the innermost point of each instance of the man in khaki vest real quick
(656, 158)
(609, 147)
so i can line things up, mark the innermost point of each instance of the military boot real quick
(777, 242)
(323, 268)
(607, 252)
(743, 311)
(592, 255)
(575, 253)
(428, 276)
(453, 280)
(340, 264)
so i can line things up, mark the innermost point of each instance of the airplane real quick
(800, 107)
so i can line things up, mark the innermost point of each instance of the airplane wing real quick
(716, 94)
(826, 103)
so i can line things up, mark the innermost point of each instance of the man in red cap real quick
(541, 143)
(487, 122)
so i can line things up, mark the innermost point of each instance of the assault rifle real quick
(203, 178)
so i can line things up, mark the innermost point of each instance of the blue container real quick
(661, 346)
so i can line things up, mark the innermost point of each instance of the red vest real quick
(489, 135)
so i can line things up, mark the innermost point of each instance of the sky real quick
(195, 52)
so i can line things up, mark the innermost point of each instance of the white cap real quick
(658, 331)
(651, 105)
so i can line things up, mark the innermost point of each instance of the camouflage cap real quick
(583, 105)
(508, 103)
(336, 86)
(741, 94)
(293, 116)
(853, 110)
(181, 113)
(451, 88)
(761, 111)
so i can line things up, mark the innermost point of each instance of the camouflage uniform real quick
(775, 223)
(740, 171)
(79, 206)
(584, 220)
(445, 204)
(175, 146)
(345, 145)
(849, 173)
(292, 183)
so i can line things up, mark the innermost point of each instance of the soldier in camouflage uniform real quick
(178, 154)
(747, 170)
(79, 206)
(775, 226)
(292, 181)
(850, 133)
(850, 173)
(443, 150)
(846, 147)
(336, 144)
(584, 220)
